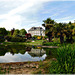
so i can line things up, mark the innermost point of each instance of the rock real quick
(37, 66)
(13, 67)
(31, 65)
(27, 66)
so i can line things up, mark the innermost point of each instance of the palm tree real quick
(69, 32)
(48, 24)
(60, 28)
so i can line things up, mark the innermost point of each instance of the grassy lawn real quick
(37, 42)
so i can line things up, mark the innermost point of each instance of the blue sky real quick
(20, 14)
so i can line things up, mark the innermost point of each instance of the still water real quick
(22, 53)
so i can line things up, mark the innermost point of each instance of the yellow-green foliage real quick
(65, 61)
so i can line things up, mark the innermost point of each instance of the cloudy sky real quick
(20, 14)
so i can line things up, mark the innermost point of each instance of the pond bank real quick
(35, 44)
(20, 67)
(49, 46)
(23, 67)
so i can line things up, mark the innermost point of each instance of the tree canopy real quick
(3, 32)
(53, 28)
(22, 32)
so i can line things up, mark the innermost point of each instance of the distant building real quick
(39, 31)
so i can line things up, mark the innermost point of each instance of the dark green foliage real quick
(2, 40)
(15, 39)
(3, 32)
(51, 52)
(65, 61)
(13, 49)
(40, 72)
(22, 32)
(50, 43)
(48, 24)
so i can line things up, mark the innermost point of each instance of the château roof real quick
(36, 28)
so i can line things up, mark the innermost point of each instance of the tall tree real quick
(12, 31)
(3, 32)
(22, 32)
(16, 32)
(48, 24)
(69, 32)
(60, 28)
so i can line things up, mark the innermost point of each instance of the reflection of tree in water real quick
(50, 52)
(13, 49)
(34, 52)
(28, 48)
(12, 52)
(2, 50)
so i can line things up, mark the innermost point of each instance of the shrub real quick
(65, 61)
(15, 39)
(8, 38)
(50, 43)
(2, 40)
(37, 37)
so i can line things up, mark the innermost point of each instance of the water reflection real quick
(37, 52)
(21, 54)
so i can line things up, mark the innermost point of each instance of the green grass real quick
(36, 42)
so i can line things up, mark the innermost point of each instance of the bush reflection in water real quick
(33, 51)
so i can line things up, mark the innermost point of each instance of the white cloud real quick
(22, 13)
(66, 19)
(14, 17)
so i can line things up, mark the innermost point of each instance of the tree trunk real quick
(50, 36)
(67, 36)
(71, 39)
(49, 39)
(61, 38)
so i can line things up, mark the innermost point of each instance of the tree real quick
(49, 24)
(12, 31)
(16, 32)
(3, 32)
(64, 29)
(23, 32)
(60, 28)
(69, 32)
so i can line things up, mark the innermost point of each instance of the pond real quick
(23, 53)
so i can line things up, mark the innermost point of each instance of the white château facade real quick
(39, 31)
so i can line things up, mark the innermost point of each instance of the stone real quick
(37, 66)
